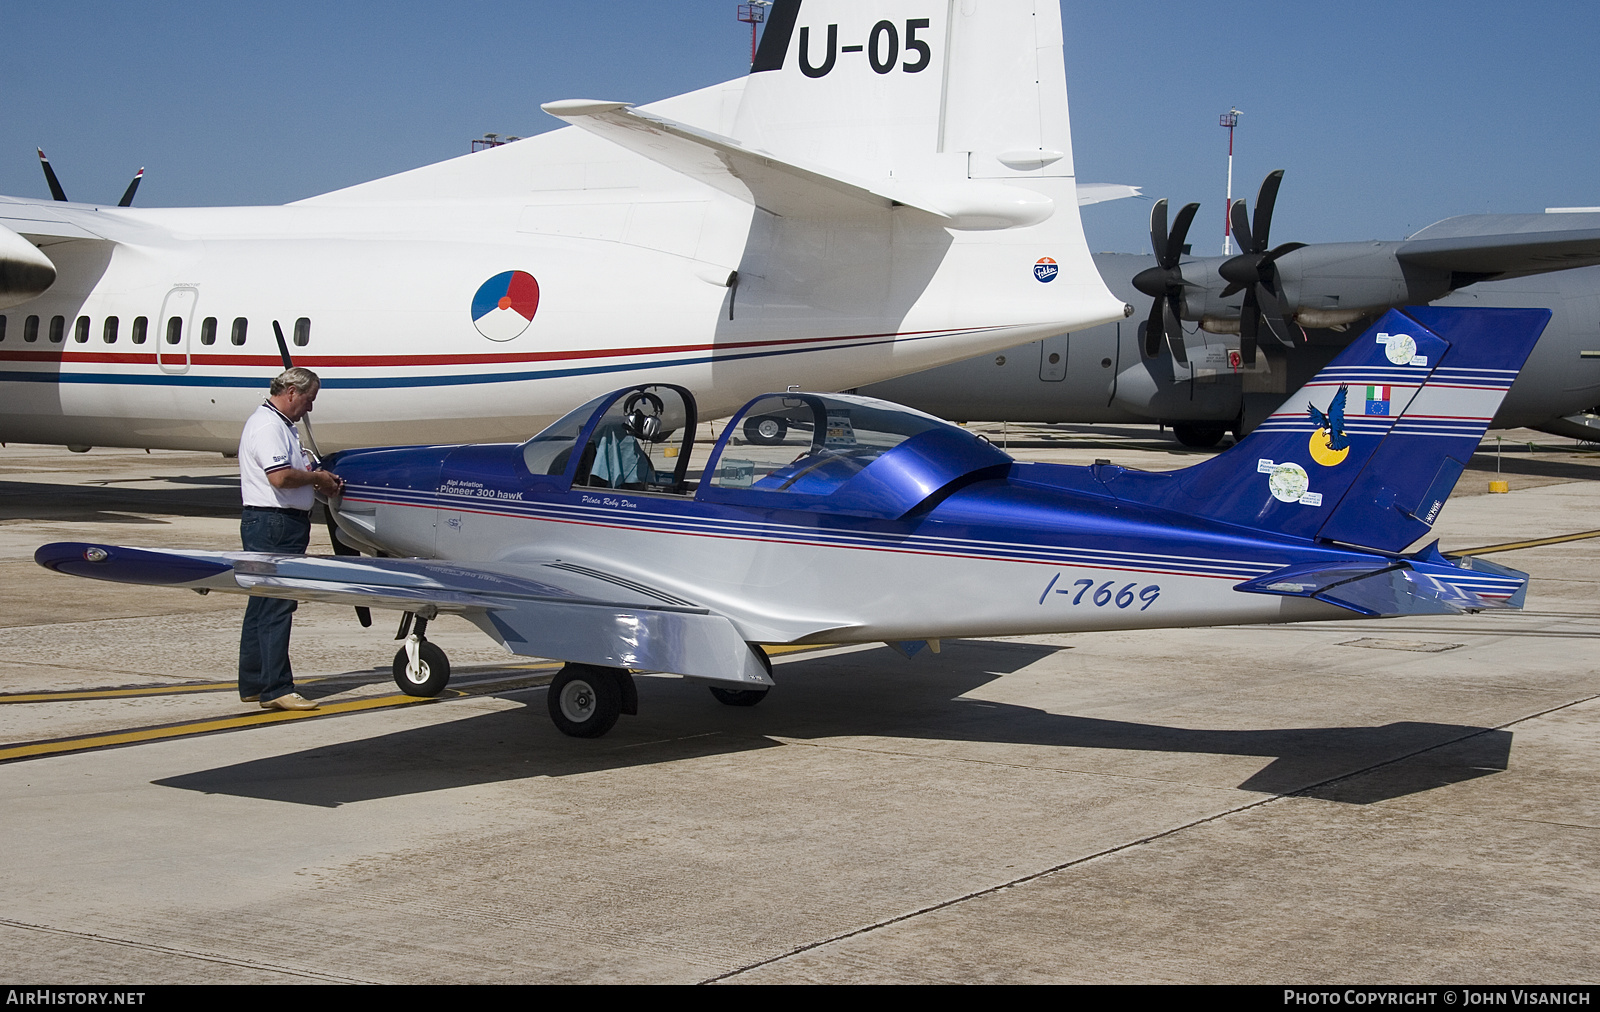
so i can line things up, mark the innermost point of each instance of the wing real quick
(786, 187)
(1501, 246)
(47, 222)
(551, 609)
(1096, 193)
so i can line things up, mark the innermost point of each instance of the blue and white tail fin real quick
(1366, 452)
(1398, 494)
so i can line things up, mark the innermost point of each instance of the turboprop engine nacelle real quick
(25, 273)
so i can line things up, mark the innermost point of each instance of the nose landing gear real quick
(420, 668)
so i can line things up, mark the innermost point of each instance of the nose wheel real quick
(420, 668)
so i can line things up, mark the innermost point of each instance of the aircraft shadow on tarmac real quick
(867, 693)
(189, 496)
(1513, 463)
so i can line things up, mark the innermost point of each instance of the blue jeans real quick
(264, 641)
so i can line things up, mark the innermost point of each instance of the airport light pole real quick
(1229, 119)
(753, 14)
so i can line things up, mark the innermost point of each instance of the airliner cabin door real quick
(172, 329)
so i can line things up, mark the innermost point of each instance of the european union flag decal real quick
(1377, 400)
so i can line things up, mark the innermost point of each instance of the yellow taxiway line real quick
(1512, 546)
(128, 692)
(38, 749)
(178, 689)
(133, 736)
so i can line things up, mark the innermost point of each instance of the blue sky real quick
(1385, 116)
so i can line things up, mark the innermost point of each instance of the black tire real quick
(744, 697)
(738, 697)
(765, 430)
(435, 671)
(1200, 435)
(584, 700)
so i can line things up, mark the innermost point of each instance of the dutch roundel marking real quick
(1045, 270)
(505, 304)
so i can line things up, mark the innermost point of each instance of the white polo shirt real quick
(270, 443)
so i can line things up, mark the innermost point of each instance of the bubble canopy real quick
(841, 453)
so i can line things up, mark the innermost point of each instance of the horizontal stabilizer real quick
(1423, 584)
(786, 187)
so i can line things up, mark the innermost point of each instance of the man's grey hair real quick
(303, 380)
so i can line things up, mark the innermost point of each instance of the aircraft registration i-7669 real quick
(836, 519)
(890, 189)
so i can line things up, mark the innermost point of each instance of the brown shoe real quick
(250, 699)
(293, 701)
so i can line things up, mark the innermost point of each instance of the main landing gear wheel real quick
(1200, 435)
(432, 672)
(738, 697)
(586, 700)
(765, 430)
(744, 697)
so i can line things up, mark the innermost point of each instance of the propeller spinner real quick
(1255, 271)
(1164, 282)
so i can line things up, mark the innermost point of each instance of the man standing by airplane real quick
(279, 487)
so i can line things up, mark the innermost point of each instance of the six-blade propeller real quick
(1164, 283)
(1255, 272)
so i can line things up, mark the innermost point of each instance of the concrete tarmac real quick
(1411, 800)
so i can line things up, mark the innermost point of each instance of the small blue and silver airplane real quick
(833, 518)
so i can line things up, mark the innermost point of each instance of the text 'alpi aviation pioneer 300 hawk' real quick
(890, 189)
(852, 519)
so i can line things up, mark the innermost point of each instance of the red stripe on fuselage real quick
(427, 361)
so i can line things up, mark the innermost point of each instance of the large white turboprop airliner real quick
(890, 189)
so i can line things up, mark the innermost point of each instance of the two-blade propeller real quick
(1164, 283)
(363, 615)
(57, 193)
(1255, 271)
